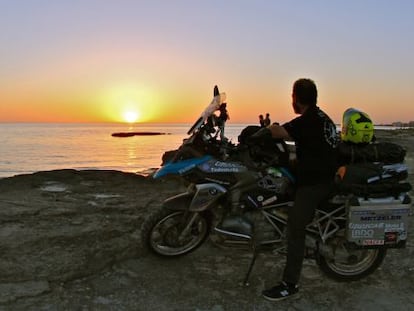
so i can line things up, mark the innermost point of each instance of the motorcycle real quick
(348, 237)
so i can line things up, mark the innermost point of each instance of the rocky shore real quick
(70, 240)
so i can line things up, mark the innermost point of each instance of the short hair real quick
(305, 92)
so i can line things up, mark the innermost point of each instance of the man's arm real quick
(278, 131)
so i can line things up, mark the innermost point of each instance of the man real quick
(316, 139)
(261, 120)
(267, 120)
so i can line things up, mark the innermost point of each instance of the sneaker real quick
(281, 291)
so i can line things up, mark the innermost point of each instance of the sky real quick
(158, 60)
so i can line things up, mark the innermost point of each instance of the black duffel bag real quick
(372, 179)
(385, 152)
(378, 190)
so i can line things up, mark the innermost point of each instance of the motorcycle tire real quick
(161, 232)
(359, 264)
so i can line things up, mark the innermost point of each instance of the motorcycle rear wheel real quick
(357, 265)
(162, 232)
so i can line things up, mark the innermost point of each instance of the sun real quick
(131, 116)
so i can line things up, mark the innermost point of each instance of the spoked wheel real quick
(174, 233)
(351, 264)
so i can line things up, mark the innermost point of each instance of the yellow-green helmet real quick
(357, 127)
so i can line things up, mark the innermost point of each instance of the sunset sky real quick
(158, 60)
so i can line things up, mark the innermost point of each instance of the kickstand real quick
(246, 278)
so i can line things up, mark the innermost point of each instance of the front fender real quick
(179, 202)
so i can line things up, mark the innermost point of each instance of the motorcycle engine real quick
(270, 190)
(266, 232)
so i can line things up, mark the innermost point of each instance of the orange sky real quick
(57, 100)
(94, 62)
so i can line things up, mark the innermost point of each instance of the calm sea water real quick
(27, 148)
(31, 147)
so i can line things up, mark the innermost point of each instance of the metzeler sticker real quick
(394, 211)
(380, 217)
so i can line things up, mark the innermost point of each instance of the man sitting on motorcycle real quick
(315, 138)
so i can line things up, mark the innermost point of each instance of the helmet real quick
(357, 127)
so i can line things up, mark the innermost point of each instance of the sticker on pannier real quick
(378, 224)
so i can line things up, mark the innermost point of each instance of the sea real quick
(31, 147)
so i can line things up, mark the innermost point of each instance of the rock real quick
(10, 292)
(129, 134)
(66, 224)
(69, 240)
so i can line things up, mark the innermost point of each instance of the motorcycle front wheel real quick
(169, 233)
(354, 265)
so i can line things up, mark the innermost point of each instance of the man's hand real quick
(278, 131)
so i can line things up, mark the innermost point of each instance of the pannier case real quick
(378, 222)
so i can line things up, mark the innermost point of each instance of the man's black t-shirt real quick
(316, 139)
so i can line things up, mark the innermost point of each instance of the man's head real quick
(304, 95)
